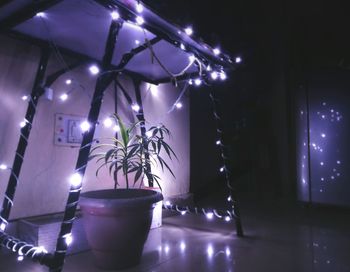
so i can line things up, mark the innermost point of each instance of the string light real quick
(222, 169)
(85, 126)
(216, 51)
(140, 20)
(210, 250)
(115, 15)
(223, 75)
(167, 203)
(69, 239)
(178, 105)
(209, 68)
(2, 226)
(198, 82)
(192, 58)
(218, 142)
(64, 96)
(183, 212)
(149, 134)
(68, 81)
(76, 180)
(94, 69)
(41, 15)
(139, 8)
(135, 107)
(137, 42)
(229, 198)
(190, 81)
(182, 246)
(24, 97)
(182, 46)
(20, 258)
(238, 59)
(189, 31)
(153, 89)
(3, 166)
(228, 251)
(108, 122)
(22, 124)
(227, 218)
(210, 215)
(214, 75)
(116, 128)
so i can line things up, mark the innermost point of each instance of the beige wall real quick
(44, 185)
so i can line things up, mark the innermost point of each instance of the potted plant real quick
(117, 221)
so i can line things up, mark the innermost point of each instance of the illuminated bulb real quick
(69, 239)
(304, 181)
(139, 8)
(218, 142)
(227, 218)
(322, 163)
(192, 58)
(210, 250)
(64, 97)
(338, 162)
(238, 60)
(190, 81)
(214, 75)
(2, 226)
(216, 51)
(85, 126)
(189, 31)
(166, 249)
(3, 166)
(209, 68)
(149, 134)
(229, 198)
(137, 42)
(167, 203)
(20, 258)
(24, 97)
(135, 107)
(178, 105)
(332, 177)
(223, 76)
(94, 69)
(76, 179)
(210, 215)
(182, 246)
(139, 20)
(197, 81)
(108, 122)
(116, 128)
(222, 169)
(40, 14)
(322, 179)
(68, 81)
(22, 124)
(153, 89)
(228, 251)
(182, 46)
(323, 135)
(115, 15)
(183, 212)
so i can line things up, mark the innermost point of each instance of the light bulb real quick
(218, 142)
(153, 89)
(64, 97)
(229, 198)
(3, 166)
(178, 105)
(24, 97)
(167, 203)
(183, 212)
(108, 122)
(189, 31)
(182, 246)
(223, 75)
(238, 60)
(192, 58)
(68, 81)
(197, 81)
(116, 128)
(214, 75)
(227, 251)
(94, 69)
(135, 107)
(76, 179)
(210, 215)
(69, 239)
(22, 124)
(115, 15)
(210, 250)
(209, 68)
(2, 226)
(149, 134)
(139, 8)
(216, 51)
(323, 135)
(85, 126)
(182, 46)
(222, 169)
(41, 15)
(20, 258)
(227, 218)
(190, 81)
(137, 42)
(139, 20)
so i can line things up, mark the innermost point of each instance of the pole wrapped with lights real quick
(231, 199)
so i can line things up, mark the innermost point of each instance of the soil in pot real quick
(117, 224)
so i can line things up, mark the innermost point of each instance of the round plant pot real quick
(117, 223)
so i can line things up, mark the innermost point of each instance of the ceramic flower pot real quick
(117, 223)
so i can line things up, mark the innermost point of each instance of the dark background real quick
(281, 43)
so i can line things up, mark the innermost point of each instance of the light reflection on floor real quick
(278, 238)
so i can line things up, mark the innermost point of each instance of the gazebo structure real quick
(122, 37)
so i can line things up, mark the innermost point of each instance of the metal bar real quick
(26, 13)
(73, 198)
(232, 193)
(141, 117)
(37, 91)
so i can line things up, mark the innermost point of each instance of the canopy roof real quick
(81, 27)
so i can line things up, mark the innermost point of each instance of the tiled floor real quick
(278, 238)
